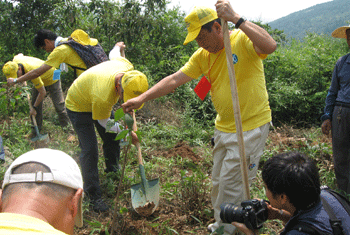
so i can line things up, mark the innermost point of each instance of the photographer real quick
(293, 189)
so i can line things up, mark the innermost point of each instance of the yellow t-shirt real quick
(251, 85)
(65, 54)
(17, 224)
(94, 90)
(31, 63)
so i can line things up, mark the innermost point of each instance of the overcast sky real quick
(266, 11)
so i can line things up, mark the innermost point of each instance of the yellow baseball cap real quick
(83, 38)
(340, 32)
(10, 69)
(198, 17)
(134, 83)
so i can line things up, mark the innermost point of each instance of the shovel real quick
(38, 136)
(145, 195)
(236, 108)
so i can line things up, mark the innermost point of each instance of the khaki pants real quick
(56, 95)
(226, 174)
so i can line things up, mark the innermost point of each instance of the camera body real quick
(253, 213)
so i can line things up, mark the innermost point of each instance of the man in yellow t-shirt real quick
(250, 44)
(42, 193)
(89, 102)
(60, 54)
(21, 65)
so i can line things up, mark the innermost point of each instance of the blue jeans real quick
(2, 151)
(84, 126)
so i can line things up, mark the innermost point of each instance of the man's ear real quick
(284, 198)
(0, 200)
(217, 26)
(75, 201)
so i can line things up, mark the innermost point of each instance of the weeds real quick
(182, 166)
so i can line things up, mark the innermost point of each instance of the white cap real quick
(64, 171)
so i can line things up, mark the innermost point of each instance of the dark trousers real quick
(341, 146)
(56, 95)
(84, 126)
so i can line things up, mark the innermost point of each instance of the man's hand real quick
(32, 112)
(11, 81)
(131, 104)
(225, 11)
(122, 48)
(134, 138)
(326, 126)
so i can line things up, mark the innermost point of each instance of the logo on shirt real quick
(235, 58)
(251, 166)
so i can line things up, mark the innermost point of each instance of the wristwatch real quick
(239, 22)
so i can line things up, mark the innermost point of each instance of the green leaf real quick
(129, 121)
(118, 114)
(122, 135)
(123, 210)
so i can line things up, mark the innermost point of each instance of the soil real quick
(146, 210)
(170, 214)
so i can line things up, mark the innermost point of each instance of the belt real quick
(346, 105)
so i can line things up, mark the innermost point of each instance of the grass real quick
(178, 152)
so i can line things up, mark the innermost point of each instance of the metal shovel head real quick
(145, 195)
(39, 136)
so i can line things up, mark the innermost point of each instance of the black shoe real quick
(114, 169)
(100, 206)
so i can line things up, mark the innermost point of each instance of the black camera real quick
(253, 213)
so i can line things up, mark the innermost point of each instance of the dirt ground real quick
(169, 214)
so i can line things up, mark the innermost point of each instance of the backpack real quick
(338, 227)
(91, 55)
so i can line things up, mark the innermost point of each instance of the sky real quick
(264, 10)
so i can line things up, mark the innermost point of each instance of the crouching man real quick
(292, 185)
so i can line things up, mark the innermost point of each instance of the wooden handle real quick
(139, 156)
(31, 106)
(236, 108)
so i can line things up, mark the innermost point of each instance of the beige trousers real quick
(226, 174)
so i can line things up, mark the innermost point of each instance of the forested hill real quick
(322, 19)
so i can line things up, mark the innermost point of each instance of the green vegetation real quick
(176, 129)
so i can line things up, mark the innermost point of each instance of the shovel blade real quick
(145, 200)
(40, 137)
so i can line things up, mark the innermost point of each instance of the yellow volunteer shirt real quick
(251, 85)
(17, 224)
(94, 90)
(65, 54)
(31, 63)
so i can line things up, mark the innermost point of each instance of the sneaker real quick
(100, 206)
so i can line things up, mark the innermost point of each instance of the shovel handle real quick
(139, 156)
(31, 106)
(236, 108)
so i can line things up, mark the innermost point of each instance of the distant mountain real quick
(322, 18)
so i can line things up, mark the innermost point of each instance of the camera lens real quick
(230, 213)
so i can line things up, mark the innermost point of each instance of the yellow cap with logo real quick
(198, 17)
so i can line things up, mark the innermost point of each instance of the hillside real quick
(321, 18)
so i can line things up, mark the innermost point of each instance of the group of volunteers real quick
(291, 180)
